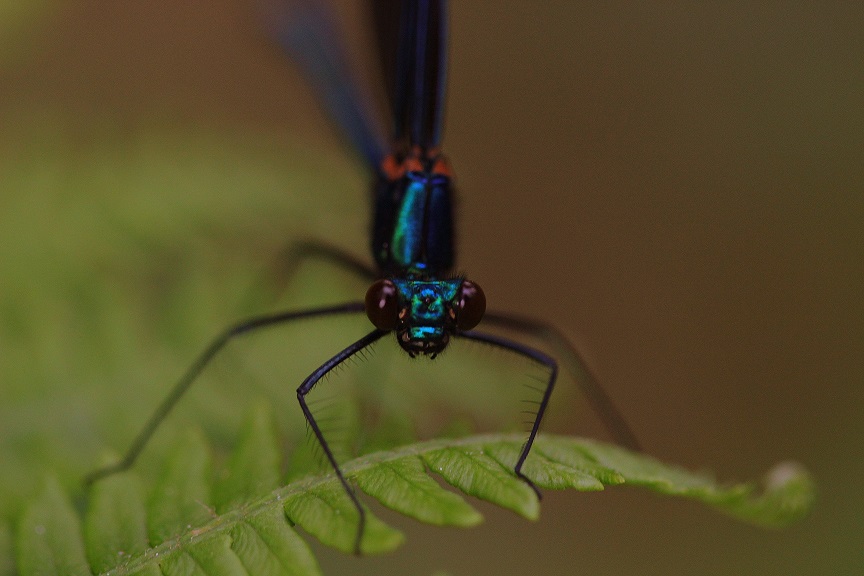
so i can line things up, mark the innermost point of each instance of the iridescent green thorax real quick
(413, 229)
(407, 234)
(427, 313)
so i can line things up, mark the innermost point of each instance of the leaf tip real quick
(793, 490)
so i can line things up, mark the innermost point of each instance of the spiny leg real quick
(192, 373)
(305, 388)
(539, 357)
(600, 402)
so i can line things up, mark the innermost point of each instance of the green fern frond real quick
(242, 523)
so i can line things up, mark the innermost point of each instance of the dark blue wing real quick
(420, 73)
(386, 19)
(308, 33)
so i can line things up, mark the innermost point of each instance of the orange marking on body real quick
(391, 168)
(412, 164)
(442, 167)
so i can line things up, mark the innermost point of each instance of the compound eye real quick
(472, 305)
(382, 306)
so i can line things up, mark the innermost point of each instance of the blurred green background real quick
(677, 185)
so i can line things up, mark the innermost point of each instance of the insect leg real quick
(192, 373)
(600, 402)
(539, 357)
(305, 388)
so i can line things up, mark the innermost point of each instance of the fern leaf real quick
(404, 486)
(182, 495)
(254, 466)
(49, 536)
(254, 529)
(251, 528)
(115, 526)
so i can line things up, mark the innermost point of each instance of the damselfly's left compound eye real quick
(472, 306)
(382, 305)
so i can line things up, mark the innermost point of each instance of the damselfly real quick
(413, 294)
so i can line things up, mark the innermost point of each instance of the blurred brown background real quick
(678, 184)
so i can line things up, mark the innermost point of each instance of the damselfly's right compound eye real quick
(382, 306)
(472, 306)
